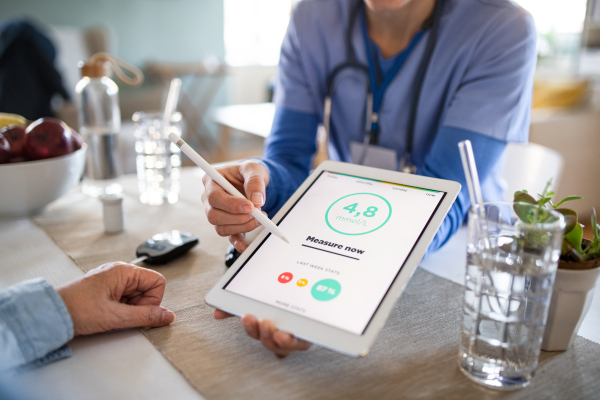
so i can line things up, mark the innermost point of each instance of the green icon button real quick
(325, 290)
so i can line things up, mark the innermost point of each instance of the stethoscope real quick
(372, 117)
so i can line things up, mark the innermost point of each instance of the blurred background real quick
(226, 53)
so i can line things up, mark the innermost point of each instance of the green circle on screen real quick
(326, 289)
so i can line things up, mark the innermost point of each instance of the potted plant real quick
(578, 269)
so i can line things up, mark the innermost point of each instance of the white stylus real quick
(224, 183)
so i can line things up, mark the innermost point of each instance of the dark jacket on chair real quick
(28, 78)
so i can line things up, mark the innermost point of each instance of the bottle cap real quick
(96, 69)
(101, 63)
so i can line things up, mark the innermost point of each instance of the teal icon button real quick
(326, 289)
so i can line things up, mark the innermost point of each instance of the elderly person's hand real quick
(116, 295)
(279, 342)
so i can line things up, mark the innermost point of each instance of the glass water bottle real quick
(99, 123)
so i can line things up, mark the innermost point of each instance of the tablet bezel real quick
(318, 332)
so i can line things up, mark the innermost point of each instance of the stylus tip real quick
(285, 240)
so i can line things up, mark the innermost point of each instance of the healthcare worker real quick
(398, 83)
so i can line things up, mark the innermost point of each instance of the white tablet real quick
(356, 236)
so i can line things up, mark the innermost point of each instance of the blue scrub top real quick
(478, 87)
(479, 78)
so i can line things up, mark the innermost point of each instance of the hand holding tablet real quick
(357, 234)
(279, 342)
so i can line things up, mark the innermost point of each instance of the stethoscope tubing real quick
(351, 63)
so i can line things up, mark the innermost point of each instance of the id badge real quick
(376, 156)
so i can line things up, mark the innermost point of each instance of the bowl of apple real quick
(39, 163)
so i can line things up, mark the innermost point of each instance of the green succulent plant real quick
(573, 248)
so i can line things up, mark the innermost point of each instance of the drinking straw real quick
(171, 103)
(470, 168)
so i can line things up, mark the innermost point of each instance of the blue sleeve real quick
(288, 154)
(34, 325)
(443, 161)
(494, 97)
(294, 89)
(290, 148)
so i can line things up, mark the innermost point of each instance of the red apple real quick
(77, 140)
(47, 138)
(15, 134)
(5, 152)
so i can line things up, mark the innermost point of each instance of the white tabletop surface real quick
(115, 365)
(251, 118)
(125, 364)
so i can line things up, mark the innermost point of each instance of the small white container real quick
(114, 221)
(571, 299)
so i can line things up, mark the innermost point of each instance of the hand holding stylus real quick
(258, 198)
(231, 215)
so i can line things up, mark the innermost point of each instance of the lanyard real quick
(375, 87)
(379, 82)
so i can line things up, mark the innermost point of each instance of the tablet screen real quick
(349, 238)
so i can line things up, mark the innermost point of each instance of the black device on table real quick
(231, 256)
(166, 246)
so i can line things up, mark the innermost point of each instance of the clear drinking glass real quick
(158, 161)
(508, 284)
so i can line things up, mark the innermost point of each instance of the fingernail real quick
(267, 330)
(277, 339)
(167, 316)
(246, 208)
(249, 319)
(246, 324)
(257, 199)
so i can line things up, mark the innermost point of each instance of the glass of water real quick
(158, 161)
(511, 266)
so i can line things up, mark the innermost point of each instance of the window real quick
(254, 30)
(559, 24)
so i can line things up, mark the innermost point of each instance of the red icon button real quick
(285, 277)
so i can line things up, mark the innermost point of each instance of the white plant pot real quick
(571, 299)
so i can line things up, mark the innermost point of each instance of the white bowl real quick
(26, 188)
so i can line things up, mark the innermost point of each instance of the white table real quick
(255, 119)
(124, 364)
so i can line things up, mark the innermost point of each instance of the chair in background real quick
(530, 166)
(201, 83)
(75, 44)
(78, 44)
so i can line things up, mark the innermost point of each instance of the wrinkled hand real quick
(279, 342)
(231, 215)
(116, 295)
